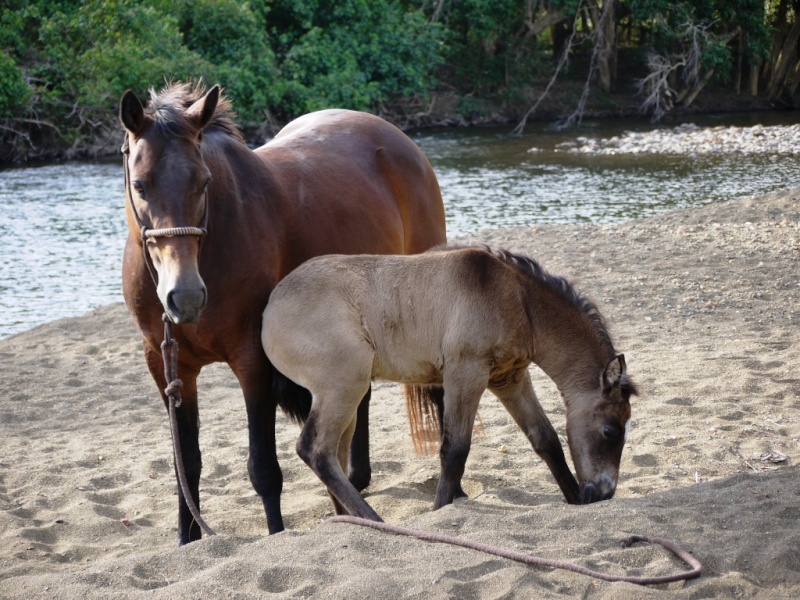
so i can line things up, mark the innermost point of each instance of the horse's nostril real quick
(171, 307)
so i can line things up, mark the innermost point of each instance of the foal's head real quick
(166, 184)
(597, 426)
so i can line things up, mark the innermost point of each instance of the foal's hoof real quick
(360, 481)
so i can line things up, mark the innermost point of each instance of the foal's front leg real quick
(521, 402)
(463, 386)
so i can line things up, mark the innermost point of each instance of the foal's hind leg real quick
(324, 441)
(344, 453)
(463, 385)
(519, 398)
(360, 471)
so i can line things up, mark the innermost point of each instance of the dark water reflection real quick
(62, 226)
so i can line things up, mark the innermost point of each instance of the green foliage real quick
(352, 53)
(65, 63)
(232, 36)
(14, 91)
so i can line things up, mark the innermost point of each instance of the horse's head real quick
(166, 184)
(596, 430)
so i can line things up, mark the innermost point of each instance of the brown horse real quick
(215, 225)
(338, 322)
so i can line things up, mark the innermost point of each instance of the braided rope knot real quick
(174, 388)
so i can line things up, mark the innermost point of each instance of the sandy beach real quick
(705, 304)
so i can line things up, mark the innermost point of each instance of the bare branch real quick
(561, 62)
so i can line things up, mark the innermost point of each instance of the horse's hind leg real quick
(463, 386)
(519, 398)
(360, 471)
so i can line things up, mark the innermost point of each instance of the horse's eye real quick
(138, 188)
(611, 433)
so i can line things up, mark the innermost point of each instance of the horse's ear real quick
(201, 111)
(614, 372)
(131, 112)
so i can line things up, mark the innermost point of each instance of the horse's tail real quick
(425, 406)
(294, 400)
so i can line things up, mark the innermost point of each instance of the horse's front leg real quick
(189, 438)
(463, 386)
(262, 462)
(519, 398)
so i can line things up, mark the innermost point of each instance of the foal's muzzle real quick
(592, 493)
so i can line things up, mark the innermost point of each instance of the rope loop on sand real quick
(528, 559)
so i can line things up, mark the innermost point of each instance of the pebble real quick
(690, 139)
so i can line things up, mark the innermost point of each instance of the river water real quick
(62, 226)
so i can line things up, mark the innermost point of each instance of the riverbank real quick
(443, 108)
(704, 304)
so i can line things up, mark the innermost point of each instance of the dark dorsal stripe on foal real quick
(558, 285)
(168, 109)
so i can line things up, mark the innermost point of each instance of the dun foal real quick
(337, 322)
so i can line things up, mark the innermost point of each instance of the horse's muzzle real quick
(185, 305)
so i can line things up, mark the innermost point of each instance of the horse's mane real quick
(559, 286)
(168, 109)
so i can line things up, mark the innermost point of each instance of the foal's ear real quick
(203, 109)
(131, 112)
(614, 372)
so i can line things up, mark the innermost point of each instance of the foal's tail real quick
(294, 400)
(425, 406)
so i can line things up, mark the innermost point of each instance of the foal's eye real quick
(611, 433)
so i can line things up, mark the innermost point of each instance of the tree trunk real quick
(785, 59)
(739, 58)
(687, 101)
(754, 72)
(605, 42)
(794, 80)
(534, 28)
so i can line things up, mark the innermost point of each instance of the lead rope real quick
(695, 571)
(169, 347)
(169, 351)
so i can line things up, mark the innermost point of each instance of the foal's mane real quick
(559, 286)
(168, 109)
